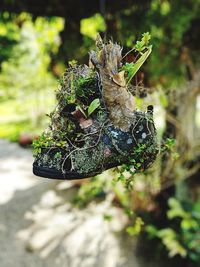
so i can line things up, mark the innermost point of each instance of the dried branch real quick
(119, 101)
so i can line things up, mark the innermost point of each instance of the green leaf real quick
(141, 45)
(136, 228)
(151, 230)
(146, 38)
(133, 68)
(93, 106)
(176, 210)
(171, 242)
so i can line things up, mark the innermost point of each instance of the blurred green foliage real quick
(136, 228)
(170, 26)
(181, 236)
(30, 49)
(91, 26)
(9, 36)
(26, 82)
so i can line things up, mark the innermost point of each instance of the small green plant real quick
(134, 166)
(144, 50)
(46, 142)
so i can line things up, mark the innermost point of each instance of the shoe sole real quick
(55, 174)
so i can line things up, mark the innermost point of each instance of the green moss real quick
(49, 161)
(86, 88)
(88, 159)
(102, 115)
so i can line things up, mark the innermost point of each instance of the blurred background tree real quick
(38, 38)
(26, 79)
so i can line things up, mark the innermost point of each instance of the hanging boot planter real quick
(95, 125)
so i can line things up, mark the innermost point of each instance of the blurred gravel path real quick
(19, 191)
(40, 228)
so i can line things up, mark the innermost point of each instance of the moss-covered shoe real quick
(96, 125)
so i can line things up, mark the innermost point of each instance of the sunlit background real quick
(100, 222)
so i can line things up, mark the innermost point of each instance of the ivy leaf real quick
(141, 45)
(93, 106)
(146, 38)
